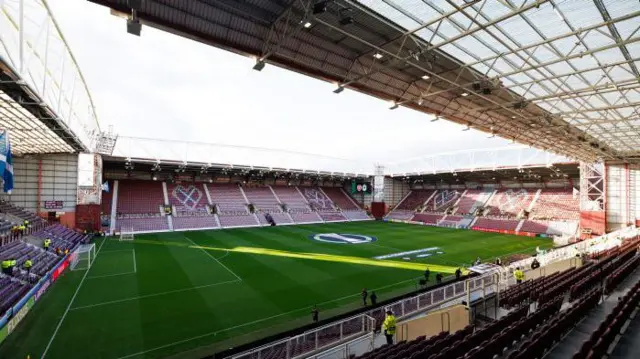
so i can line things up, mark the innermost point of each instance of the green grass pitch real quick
(187, 294)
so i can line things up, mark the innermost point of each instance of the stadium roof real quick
(44, 102)
(558, 75)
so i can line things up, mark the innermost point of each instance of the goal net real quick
(126, 234)
(82, 257)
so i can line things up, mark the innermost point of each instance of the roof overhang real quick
(33, 126)
(424, 59)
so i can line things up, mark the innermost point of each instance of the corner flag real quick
(6, 162)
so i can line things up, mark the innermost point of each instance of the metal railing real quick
(312, 341)
(363, 324)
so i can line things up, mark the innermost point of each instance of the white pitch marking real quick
(69, 306)
(255, 321)
(110, 275)
(214, 258)
(135, 270)
(153, 295)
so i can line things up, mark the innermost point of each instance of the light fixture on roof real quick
(426, 77)
(345, 16)
(466, 128)
(339, 89)
(155, 178)
(492, 135)
(134, 27)
(420, 101)
(307, 25)
(259, 65)
(394, 105)
(377, 55)
(435, 118)
(464, 94)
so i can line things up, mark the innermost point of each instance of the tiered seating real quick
(280, 218)
(62, 237)
(305, 217)
(143, 224)
(228, 199)
(521, 293)
(232, 206)
(194, 222)
(139, 197)
(339, 198)
(534, 227)
(451, 220)
(427, 218)
(323, 204)
(401, 214)
(556, 204)
(296, 205)
(442, 200)
(262, 198)
(596, 346)
(10, 208)
(472, 199)
(21, 251)
(188, 198)
(355, 215)
(11, 291)
(510, 202)
(545, 336)
(497, 224)
(139, 205)
(414, 200)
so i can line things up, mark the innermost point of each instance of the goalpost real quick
(126, 234)
(82, 257)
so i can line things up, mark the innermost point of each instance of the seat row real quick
(521, 293)
(596, 346)
(553, 330)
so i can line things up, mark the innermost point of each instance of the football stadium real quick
(508, 229)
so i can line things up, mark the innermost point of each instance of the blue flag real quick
(6, 162)
(105, 186)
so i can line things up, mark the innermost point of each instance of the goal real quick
(126, 234)
(82, 257)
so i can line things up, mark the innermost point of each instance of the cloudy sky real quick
(167, 87)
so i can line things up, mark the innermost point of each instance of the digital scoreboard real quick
(361, 187)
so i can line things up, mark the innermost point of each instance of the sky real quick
(164, 86)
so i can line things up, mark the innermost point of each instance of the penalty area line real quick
(256, 321)
(214, 258)
(153, 295)
(69, 306)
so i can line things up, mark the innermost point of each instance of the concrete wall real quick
(450, 320)
(38, 179)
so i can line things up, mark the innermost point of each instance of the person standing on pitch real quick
(364, 296)
(389, 326)
(314, 314)
(374, 298)
(426, 274)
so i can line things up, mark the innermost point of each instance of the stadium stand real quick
(427, 218)
(471, 200)
(442, 200)
(320, 202)
(556, 204)
(262, 198)
(191, 207)
(232, 206)
(139, 206)
(343, 201)
(497, 224)
(509, 203)
(296, 204)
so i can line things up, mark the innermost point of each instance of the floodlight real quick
(464, 94)
(339, 89)
(426, 77)
(259, 65)
(346, 21)
(377, 55)
(394, 106)
(420, 101)
(307, 25)
(134, 27)
(466, 128)
(435, 118)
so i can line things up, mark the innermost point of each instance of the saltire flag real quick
(105, 186)
(6, 162)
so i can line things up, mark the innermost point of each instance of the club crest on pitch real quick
(342, 238)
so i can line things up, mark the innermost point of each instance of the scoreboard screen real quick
(361, 187)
